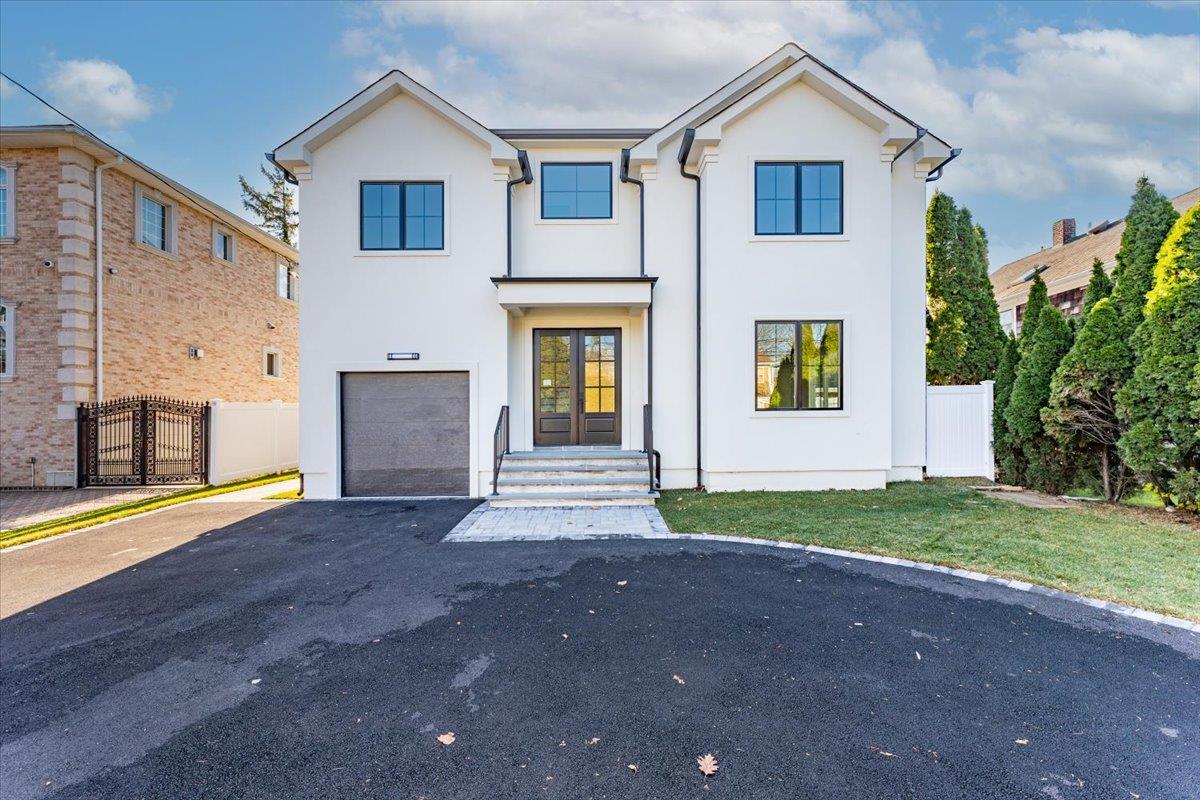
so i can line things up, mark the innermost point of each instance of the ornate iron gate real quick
(142, 441)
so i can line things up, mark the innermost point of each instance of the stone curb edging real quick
(981, 577)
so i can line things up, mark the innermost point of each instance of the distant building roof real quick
(1069, 265)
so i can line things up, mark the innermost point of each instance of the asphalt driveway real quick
(316, 650)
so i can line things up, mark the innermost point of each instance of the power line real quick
(44, 102)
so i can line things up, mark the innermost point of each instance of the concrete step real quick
(564, 459)
(609, 470)
(573, 499)
(631, 482)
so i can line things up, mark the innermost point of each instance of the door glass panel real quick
(554, 373)
(599, 370)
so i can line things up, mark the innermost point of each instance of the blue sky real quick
(1059, 105)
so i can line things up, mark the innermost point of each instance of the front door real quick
(577, 397)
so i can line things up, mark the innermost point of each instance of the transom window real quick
(402, 215)
(797, 197)
(7, 342)
(798, 378)
(577, 191)
(7, 200)
(154, 223)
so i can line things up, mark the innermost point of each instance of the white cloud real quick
(7, 90)
(101, 93)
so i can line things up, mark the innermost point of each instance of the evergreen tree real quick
(1162, 399)
(1038, 299)
(1082, 413)
(1047, 465)
(1149, 220)
(965, 339)
(274, 207)
(1007, 457)
(784, 395)
(1099, 287)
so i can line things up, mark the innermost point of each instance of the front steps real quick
(574, 477)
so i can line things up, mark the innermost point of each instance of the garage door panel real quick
(405, 433)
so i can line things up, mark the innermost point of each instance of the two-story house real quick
(115, 281)
(741, 290)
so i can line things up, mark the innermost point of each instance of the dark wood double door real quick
(577, 386)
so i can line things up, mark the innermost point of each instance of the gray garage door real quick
(405, 433)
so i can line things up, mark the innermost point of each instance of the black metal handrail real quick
(653, 457)
(499, 446)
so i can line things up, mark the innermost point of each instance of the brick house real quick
(195, 302)
(1065, 266)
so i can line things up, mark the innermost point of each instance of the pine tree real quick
(1007, 457)
(1147, 224)
(1162, 399)
(965, 339)
(1099, 287)
(1038, 299)
(275, 207)
(1047, 465)
(1082, 413)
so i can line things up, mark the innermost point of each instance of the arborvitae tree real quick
(784, 395)
(1149, 220)
(1099, 287)
(1038, 299)
(1162, 399)
(275, 207)
(1048, 466)
(1082, 413)
(965, 338)
(1007, 456)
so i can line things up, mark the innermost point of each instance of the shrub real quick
(1046, 464)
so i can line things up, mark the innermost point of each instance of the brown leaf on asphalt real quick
(882, 752)
(708, 765)
(677, 679)
(447, 738)
(633, 768)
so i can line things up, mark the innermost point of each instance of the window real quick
(576, 191)
(271, 366)
(286, 279)
(401, 216)
(154, 223)
(8, 199)
(804, 378)
(7, 341)
(797, 198)
(224, 244)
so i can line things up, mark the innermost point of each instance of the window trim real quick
(10, 207)
(755, 236)
(224, 230)
(10, 341)
(402, 250)
(293, 280)
(612, 193)
(839, 410)
(170, 223)
(267, 351)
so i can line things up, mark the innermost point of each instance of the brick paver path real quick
(28, 507)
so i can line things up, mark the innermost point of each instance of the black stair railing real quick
(653, 457)
(499, 446)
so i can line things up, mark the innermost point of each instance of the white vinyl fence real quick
(248, 439)
(958, 431)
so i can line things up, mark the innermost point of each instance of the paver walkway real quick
(487, 524)
(29, 507)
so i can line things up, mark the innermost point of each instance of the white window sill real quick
(812, 237)
(224, 261)
(7, 378)
(801, 414)
(273, 377)
(9, 239)
(401, 253)
(156, 251)
(572, 221)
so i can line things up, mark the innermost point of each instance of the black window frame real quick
(403, 227)
(796, 323)
(841, 165)
(542, 194)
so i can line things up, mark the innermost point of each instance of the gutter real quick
(685, 148)
(287, 176)
(526, 176)
(98, 204)
(937, 173)
(920, 135)
(641, 209)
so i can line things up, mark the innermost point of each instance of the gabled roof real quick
(1068, 266)
(296, 153)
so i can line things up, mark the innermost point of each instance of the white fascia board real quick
(929, 154)
(647, 149)
(575, 294)
(297, 151)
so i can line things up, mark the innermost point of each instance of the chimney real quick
(1063, 232)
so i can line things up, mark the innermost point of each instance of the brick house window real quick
(286, 280)
(8, 201)
(7, 339)
(224, 244)
(155, 220)
(271, 365)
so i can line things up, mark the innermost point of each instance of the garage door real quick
(405, 433)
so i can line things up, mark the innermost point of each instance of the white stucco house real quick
(739, 294)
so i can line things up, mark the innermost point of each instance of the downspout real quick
(526, 176)
(920, 135)
(937, 173)
(287, 176)
(98, 204)
(685, 148)
(641, 210)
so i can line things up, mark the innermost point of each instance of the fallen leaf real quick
(882, 752)
(566, 636)
(563, 743)
(592, 742)
(677, 679)
(708, 765)
(918, 652)
(447, 738)
(1022, 741)
(622, 583)
(633, 768)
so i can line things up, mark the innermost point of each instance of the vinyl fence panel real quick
(248, 439)
(958, 431)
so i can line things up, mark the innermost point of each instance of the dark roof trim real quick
(577, 279)
(573, 133)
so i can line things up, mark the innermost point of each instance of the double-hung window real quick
(797, 198)
(7, 341)
(154, 223)
(286, 279)
(577, 191)
(224, 244)
(7, 201)
(402, 215)
(798, 365)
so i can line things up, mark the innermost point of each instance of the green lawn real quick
(1133, 557)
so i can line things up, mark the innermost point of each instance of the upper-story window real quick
(7, 341)
(577, 191)
(154, 223)
(286, 279)
(224, 244)
(402, 215)
(8, 200)
(155, 220)
(797, 197)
